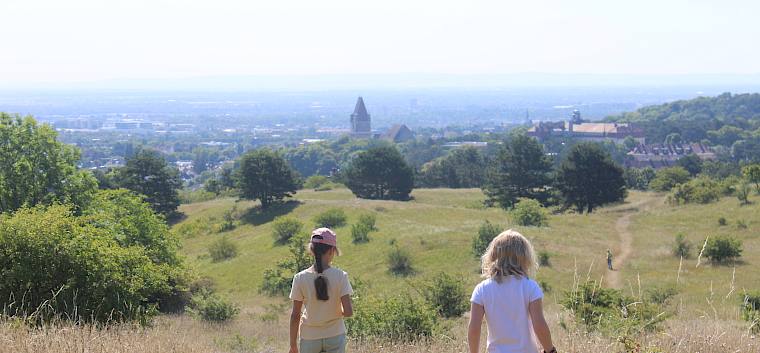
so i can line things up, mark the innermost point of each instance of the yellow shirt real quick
(320, 318)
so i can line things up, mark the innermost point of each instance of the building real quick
(361, 123)
(666, 155)
(578, 129)
(398, 133)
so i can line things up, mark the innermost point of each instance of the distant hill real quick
(721, 120)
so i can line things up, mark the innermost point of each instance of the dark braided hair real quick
(320, 283)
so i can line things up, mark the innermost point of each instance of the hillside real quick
(437, 228)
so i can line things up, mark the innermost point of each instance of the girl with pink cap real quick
(321, 297)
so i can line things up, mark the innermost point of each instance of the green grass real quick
(437, 227)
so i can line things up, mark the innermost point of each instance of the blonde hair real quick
(510, 253)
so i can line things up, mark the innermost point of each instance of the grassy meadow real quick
(437, 228)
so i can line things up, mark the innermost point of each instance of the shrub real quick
(661, 295)
(545, 286)
(741, 224)
(228, 221)
(222, 249)
(332, 218)
(742, 193)
(751, 310)
(399, 262)
(278, 280)
(529, 212)
(486, 233)
(368, 220)
(667, 178)
(699, 190)
(446, 295)
(400, 318)
(208, 306)
(682, 247)
(360, 233)
(722, 248)
(543, 258)
(285, 228)
(315, 181)
(722, 221)
(610, 311)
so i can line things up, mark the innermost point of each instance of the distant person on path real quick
(510, 301)
(609, 259)
(326, 294)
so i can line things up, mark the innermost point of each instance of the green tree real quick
(310, 160)
(265, 176)
(588, 178)
(203, 158)
(462, 168)
(148, 174)
(35, 168)
(667, 178)
(692, 163)
(752, 174)
(521, 169)
(380, 173)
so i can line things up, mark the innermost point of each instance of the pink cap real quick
(324, 236)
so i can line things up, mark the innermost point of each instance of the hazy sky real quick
(75, 40)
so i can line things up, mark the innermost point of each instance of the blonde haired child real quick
(510, 301)
(325, 293)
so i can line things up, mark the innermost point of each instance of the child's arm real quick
(348, 308)
(477, 312)
(539, 324)
(295, 321)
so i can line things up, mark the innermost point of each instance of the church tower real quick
(361, 124)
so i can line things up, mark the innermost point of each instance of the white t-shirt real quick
(510, 329)
(320, 318)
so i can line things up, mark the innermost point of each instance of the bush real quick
(400, 318)
(742, 193)
(682, 247)
(368, 220)
(285, 228)
(399, 262)
(529, 212)
(610, 311)
(360, 233)
(278, 280)
(661, 295)
(228, 221)
(699, 190)
(667, 178)
(315, 182)
(722, 248)
(332, 218)
(722, 221)
(208, 306)
(741, 224)
(486, 233)
(751, 310)
(543, 258)
(446, 295)
(222, 249)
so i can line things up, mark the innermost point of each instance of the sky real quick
(88, 40)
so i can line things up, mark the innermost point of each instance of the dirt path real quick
(626, 240)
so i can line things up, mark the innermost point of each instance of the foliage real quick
(721, 248)
(638, 178)
(742, 193)
(285, 228)
(222, 249)
(462, 168)
(187, 196)
(751, 310)
(544, 258)
(486, 233)
(691, 163)
(147, 173)
(682, 246)
(368, 220)
(89, 268)
(722, 221)
(752, 174)
(278, 280)
(208, 306)
(521, 170)
(380, 173)
(315, 181)
(265, 176)
(610, 311)
(668, 178)
(399, 318)
(35, 168)
(529, 212)
(331, 218)
(399, 261)
(446, 295)
(360, 233)
(661, 295)
(312, 160)
(588, 178)
(698, 190)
